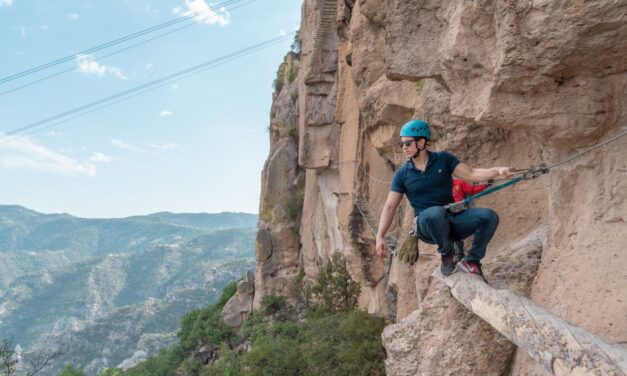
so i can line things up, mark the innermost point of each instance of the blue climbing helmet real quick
(416, 128)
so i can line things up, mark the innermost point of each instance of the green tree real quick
(7, 357)
(69, 370)
(205, 326)
(295, 46)
(229, 364)
(166, 363)
(335, 290)
(344, 344)
(274, 356)
(111, 372)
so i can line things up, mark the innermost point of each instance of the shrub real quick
(229, 364)
(69, 370)
(205, 326)
(300, 290)
(112, 372)
(277, 84)
(335, 291)
(273, 304)
(270, 355)
(344, 344)
(165, 363)
(295, 47)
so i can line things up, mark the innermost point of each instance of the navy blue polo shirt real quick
(433, 187)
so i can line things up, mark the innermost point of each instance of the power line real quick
(114, 52)
(141, 89)
(112, 43)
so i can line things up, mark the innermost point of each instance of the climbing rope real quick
(526, 174)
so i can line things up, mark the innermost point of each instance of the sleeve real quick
(458, 193)
(451, 160)
(477, 188)
(398, 185)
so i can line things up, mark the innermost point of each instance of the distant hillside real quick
(24, 229)
(32, 242)
(203, 220)
(107, 283)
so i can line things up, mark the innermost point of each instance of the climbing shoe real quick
(471, 267)
(448, 264)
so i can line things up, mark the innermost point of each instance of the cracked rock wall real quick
(515, 83)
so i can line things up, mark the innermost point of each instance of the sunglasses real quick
(405, 143)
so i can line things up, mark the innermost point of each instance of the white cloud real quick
(22, 31)
(6, 3)
(165, 113)
(54, 133)
(97, 157)
(148, 66)
(175, 86)
(26, 154)
(166, 146)
(44, 27)
(88, 65)
(206, 14)
(123, 145)
(282, 33)
(72, 16)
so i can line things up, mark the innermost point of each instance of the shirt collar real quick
(431, 158)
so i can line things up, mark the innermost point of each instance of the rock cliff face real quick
(502, 83)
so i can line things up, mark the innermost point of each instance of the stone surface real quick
(441, 324)
(510, 83)
(282, 185)
(562, 348)
(239, 307)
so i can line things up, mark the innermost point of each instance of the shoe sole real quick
(447, 274)
(461, 267)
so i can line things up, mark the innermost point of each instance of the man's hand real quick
(505, 172)
(381, 247)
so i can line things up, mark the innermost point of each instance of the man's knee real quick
(490, 216)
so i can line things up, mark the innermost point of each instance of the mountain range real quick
(106, 289)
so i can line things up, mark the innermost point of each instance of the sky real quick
(196, 144)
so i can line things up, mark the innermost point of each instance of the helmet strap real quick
(418, 150)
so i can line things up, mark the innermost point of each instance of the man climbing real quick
(426, 179)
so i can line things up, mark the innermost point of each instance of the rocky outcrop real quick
(240, 306)
(282, 190)
(561, 348)
(502, 83)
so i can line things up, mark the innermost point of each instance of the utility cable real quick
(113, 42)
(134, 95)
(156, 83)
(114, 52)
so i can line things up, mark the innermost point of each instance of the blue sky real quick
(194, 145)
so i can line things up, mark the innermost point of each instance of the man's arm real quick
(468, 173)
(391, 203)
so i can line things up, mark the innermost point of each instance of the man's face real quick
(409, 146)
